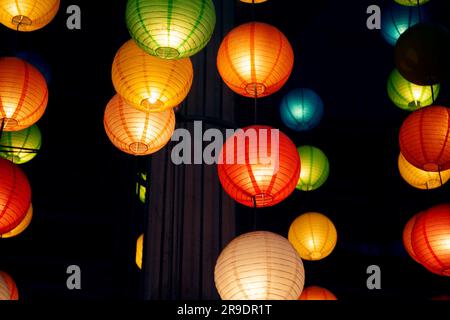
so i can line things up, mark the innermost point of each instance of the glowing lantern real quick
(301, 109)
(150, 83)
(407, 234)
(411, 3)
(409, 96)
(421, 179)
(253, 1)
(15, 196)
(27, 15)
(396, 19)
(313, 235)
(21, 227)
(315, 168)
(255, 60)
(171, 29)
(317, 293)
(425, 139)
(259, 266)
(20, 146)
(260, 166)
(23, 94)
(141, 187)
(137, 132)
(8, 288)
(430, 239)
(139, 250)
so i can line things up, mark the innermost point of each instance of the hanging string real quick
(2, 126)
(432, 94)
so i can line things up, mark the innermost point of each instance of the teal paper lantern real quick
(171, 29)
(301, 109)
(315, 168)
(396, 19)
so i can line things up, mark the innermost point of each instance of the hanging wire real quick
(2, 126)
(418, 9)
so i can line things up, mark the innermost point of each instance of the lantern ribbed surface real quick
(21, 146)
(171, 29)
(137, 132)
(139, 250)
(27, 15)
(313, 235)
(317, 293)
(430, 239)
(260, 166)
(8, 288)
(15, 196)
(407, 236)
(396, 19)
(409, 96)
(23, 94)
(315, 168)
(425, 139)
(150, 83)
(21, 227)
(411, 3)
(421, 179)
(255, 60)
(259, 266)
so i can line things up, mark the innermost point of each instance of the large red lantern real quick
(430, 239)
(425, 139)
(259, 166)
(15, 196)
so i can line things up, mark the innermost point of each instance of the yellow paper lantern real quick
(313, 235)
(259, 266)
(150, 83)
(421, 179)
(21, 227)
(139, 251)
(27, 15)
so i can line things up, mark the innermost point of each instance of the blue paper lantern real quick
(301, 109)
(396, 19)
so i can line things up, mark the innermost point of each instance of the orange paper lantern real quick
(316, 293)
(255, 60)
(23, 94)
(15, 196)
(407, 236)
(430, 239)
(425, 139)
(260, 166)
(23, 225)
(137, 132)
(150, 83)
(8, 288)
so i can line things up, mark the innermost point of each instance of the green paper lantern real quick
(411, 2)
(171, 29)
(315, 168)
(21, 146)
(409, 96)
(141, 187)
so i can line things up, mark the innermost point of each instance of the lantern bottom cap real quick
(255, 89)
(152, 104)
(415, 104)
(262, 200)
(167, 53)
(8, 123)
(21, 20)
(138, 148)
(431, 167)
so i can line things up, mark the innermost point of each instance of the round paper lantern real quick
(409, 96)
(425, 139)
(421, 54)
(259, 266)
(27, 15)
(421, 179)
(23, 94)
(397, 19)
(255, 60)
(150, 83)
(412, 3)
(171, 29)
(255, 170)
(317, 293)
(21, 227)
(8, 288)
(139, 250)
(430, 239)
(15, 196)
(137, 132)
(21, 146)
(407, 236)
(313, 235)
(315, 168)
(301, 109)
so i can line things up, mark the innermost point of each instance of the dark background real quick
(86, 212)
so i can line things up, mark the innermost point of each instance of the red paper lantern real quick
(430, 239)
(259, 166)
(407, 236)
(8, 288)
(15, 196)
(316, 293)
(425, 139)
